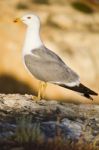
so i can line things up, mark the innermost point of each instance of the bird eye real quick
(29, 17)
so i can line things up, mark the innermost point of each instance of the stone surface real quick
(67, 119)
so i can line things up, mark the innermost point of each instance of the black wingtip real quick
(87, 92)
(83, 90)
(87, 96)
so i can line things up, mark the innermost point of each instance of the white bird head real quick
(32, 39)
(29, 20)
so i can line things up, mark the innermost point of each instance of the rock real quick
(68, 128)
(62, 21)
(68, 120)
(75, 21)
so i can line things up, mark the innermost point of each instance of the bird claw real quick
(36, 98)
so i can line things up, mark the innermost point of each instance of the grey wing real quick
(47, 66)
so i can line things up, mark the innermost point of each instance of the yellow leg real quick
(44, 85)
(38, 97)
(41, 91)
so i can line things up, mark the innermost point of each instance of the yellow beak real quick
(17, 20)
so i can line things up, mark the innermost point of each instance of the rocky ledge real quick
(69, 120)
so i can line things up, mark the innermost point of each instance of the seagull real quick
(46, 65)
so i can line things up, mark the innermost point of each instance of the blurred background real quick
(69, 27)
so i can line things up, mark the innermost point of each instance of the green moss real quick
(26, 131)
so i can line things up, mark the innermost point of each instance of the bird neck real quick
(32, 39)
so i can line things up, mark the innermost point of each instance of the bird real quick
(45, 64)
